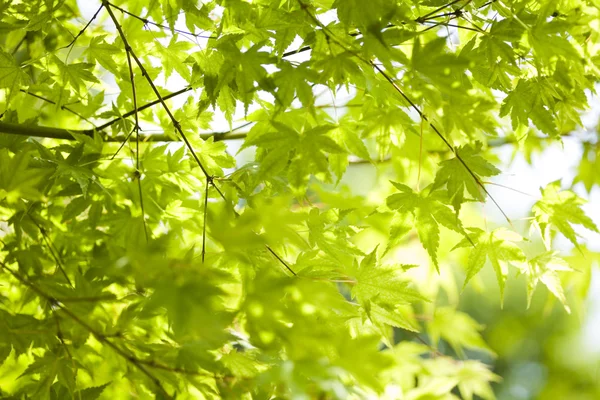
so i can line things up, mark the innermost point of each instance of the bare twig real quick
(83, 29)
(281, 260)
(145, 106)
(136, 129)
(204, 223)
(437, 10)
(146, 21)
(63, 107)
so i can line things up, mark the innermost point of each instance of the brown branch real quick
(65, 134)
(145, 106)
(429, 15)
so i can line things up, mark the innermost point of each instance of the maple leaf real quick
(173, 57)
(12, 77)
(293, 81)
(560, 209)
(17, 178)
(76, 75)
(544, 268)
(382, 283)
(457, 178)
(458, 329)
(533, 100)
(381, 290)
(428, 211)
(171, 287)
(499, 248)
(102, 52)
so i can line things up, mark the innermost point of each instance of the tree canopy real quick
(260, 199)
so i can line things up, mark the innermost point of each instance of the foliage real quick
(144, 255)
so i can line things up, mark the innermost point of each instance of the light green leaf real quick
(12, 77)
(560, 210)
(499, 248)
(457, 178)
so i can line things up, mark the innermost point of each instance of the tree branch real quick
(66, 134)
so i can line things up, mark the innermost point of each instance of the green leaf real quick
(457, 178)
(458, 329)
(76, 75)
(173, 57)
(91, 393)
(560, 210)
(382, 291)
(12, 77)
(429, 213)
(499, 248)
(103, 53)
(544, 268)
(17, 179)
(532, 100)
(246, 264)
(380, 284)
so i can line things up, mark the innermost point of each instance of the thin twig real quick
(88, 299)
(424, 17)
(420, 155)
(509, 188)
(20, 43)
(136, 129)
(408, 100)
(479, 30)
(204, 223)
(125, 140)
(145, 106)
(63, 107)
(83, 30)
(146, 21)
(281, 260)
